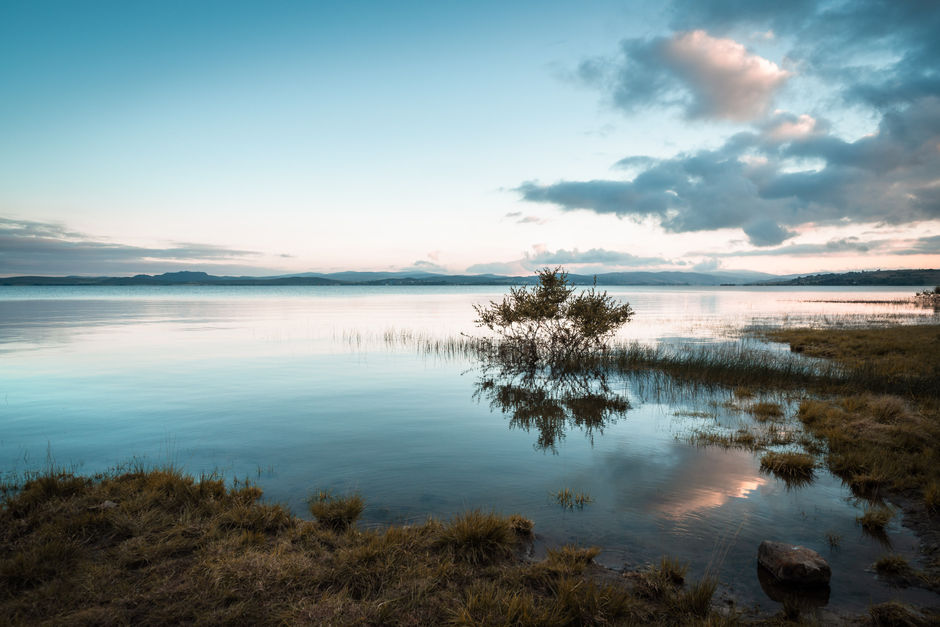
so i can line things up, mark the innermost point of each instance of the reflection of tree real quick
(551, 400)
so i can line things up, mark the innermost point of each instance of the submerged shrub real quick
(550, 322)
(336, 512)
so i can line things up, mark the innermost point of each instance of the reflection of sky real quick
(264, 385)
(32, 315)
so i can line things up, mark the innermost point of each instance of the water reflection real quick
(550, 400)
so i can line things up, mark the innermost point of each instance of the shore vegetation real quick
(156, 547)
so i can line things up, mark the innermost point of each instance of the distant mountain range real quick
(877, 277)
(874, 277)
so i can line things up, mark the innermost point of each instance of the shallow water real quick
(296, 389)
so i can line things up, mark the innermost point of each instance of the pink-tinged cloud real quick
(727, 81)
(788, 128)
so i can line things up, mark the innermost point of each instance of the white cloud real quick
(727, 81)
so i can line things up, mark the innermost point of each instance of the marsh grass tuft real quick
(789, 466)
(892, 565)
(877, 442)
(569, 499)
(521, 525)
(479, 537)
(896, 614)
(875, 518)
(336, 512)
(764, 411)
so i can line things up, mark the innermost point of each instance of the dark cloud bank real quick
(788, 169)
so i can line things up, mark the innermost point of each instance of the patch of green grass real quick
(336, 512)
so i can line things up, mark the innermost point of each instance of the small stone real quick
(105, 505)
(792, 564)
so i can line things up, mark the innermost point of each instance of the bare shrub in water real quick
(550, 323)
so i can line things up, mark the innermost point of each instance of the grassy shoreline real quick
(159, 547)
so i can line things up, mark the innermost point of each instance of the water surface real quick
(296, 388)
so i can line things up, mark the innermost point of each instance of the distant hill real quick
(874, 277)
(725, 277)
(392, 278)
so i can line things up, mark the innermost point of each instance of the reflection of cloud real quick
(688, 479)
(707, 498)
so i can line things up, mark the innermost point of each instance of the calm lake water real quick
(296, 389)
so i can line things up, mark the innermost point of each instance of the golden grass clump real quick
(896, 614)
(336, 512)
(875, 518)
(892, 565)
(764, 411)
(789, 465)
(521, 525)
(479, 537)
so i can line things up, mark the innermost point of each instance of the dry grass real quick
(875, 518)
(899, 360)
(878, 442)
(764, 411)
(789, 466)
(336, 512)
(892, 565)
(158, 547)
(569, 499)
(896, 614)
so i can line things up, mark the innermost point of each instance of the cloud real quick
(708, 77)
(539, 257)
(422, 265)
(518, 218)
(28, 247)
(929, 245)
(593, 256)
(766, 233)
(754, 182)
(505, 268)
(726, 81)
(879, 52)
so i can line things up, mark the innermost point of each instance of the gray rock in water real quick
(795, 565)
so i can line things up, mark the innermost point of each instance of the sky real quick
(482, 137)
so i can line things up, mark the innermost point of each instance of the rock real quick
(795, 565)
(802, 598)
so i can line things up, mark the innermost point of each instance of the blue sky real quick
(277, 137)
